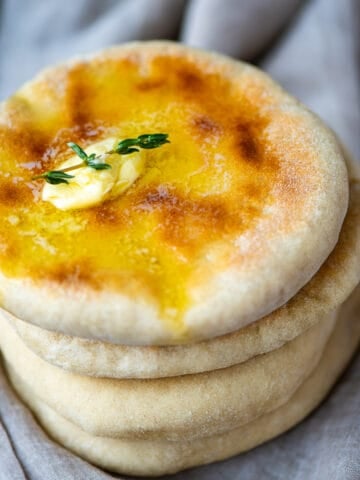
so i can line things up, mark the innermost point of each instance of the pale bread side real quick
(152, 458)
(194, 406)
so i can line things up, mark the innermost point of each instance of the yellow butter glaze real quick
(175, 226)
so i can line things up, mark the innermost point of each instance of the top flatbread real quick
(226, 224)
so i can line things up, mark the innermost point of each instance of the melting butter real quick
(90, 187)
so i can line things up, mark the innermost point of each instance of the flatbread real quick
(227, 223)
(194, 406)
(151, 457)
(330, 287)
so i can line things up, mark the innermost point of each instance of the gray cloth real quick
(312, 49)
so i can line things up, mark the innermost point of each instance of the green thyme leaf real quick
(93, 161)
(78, 150)
(55, 177)
(153, 140)
(124, 147)
(98, 165)
(146, 141)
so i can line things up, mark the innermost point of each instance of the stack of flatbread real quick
(208, 307)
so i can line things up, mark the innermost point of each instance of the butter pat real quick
(90, 187)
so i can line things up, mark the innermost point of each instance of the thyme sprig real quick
(124, 147)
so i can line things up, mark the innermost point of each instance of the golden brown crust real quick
(247, 180)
